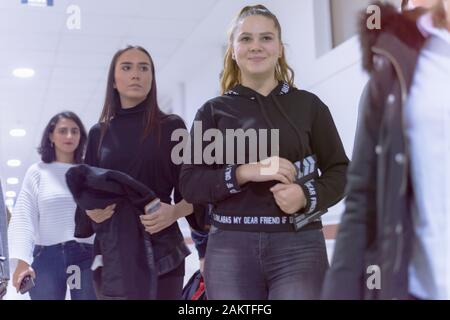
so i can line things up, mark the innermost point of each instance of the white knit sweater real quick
(44, 213)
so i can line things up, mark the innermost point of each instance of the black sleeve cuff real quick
(83, 226)
(200, 240)
(230, 179)
(309, 189)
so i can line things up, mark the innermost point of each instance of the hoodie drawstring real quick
(264, 113)
(280, 108)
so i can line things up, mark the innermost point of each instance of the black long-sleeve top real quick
(148, 161)
(306, 128)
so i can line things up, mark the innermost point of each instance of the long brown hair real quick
(152, 113)
(230, 75)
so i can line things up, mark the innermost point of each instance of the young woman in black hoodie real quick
(254, 249)
(134, 136)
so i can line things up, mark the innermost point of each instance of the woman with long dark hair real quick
(134, 136)
(41, 230)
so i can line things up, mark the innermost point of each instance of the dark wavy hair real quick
(47, 151)
(152, 113)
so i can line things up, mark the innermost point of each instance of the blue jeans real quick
(61, 265)
(265, 266)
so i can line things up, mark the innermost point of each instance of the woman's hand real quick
(23, 269)
(160, 219)
(274, 168)
(289, 197)
(100, 215)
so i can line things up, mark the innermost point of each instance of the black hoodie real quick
(306, 128)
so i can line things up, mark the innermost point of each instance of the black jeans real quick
(261, 266)
(169, 287)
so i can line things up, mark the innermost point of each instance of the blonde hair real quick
(230, 75)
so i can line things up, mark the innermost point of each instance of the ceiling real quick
(71, 64)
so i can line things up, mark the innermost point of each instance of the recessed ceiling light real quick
(14, 163)
(9, 202)
(17, 132)
(12, 180)
(23, 72)
(10, 194)
(38, 3)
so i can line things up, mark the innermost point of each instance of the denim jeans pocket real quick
(37, 251)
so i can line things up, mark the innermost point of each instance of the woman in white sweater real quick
(41, 231)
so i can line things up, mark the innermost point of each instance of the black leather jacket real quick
(130, 262)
